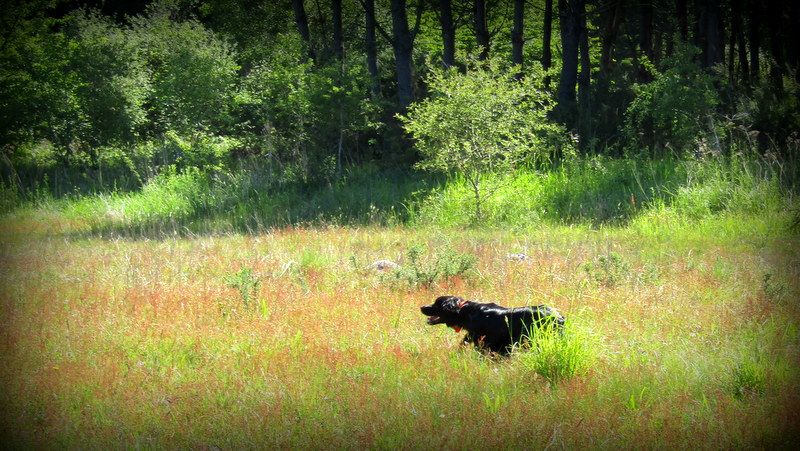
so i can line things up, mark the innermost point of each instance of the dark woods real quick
(304, 88)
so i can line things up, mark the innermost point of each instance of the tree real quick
(570, 13)
(517, 39)
(371, 47)
(710, 33)
(338, 44)
(584, 81)
(301, 21)
(737, 40)
(403, 44)
(478, 123)
(448, 32)
(776, 43)
(681, 10)
(646, 36)
(754, 37)
(480, 22)
(612, 18)
(547, 33)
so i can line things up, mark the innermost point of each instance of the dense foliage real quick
(481, 122)
(97, 97)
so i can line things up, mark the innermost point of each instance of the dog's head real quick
(445, 310)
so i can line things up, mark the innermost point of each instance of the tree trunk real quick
(372, 49)
(584, 81)
(658, 43)
(794, 51)
(737, 34)
(775, 25)
(569, 12)
(699, 29)
(403, 47)
(517, 40)
(611, 23)
(547, 33)
(301, 21)
(682, 12)
(646, 30)
(646, 37)
(481, 28)
(713, 32)
(336, 13)
(448, 32)
(755, 39)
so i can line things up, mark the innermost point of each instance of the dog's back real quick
(498, 328)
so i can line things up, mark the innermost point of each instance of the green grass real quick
(592, 191)
(148, 319)
(557, 356)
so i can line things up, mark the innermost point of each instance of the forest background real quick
(198, 199)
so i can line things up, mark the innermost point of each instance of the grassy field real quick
(686, 335)
(128, 321)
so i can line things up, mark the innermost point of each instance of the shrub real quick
(80, 87)
(480, 122)
(248, 285)
(674, 109)
(557, 355)
(304, 117)
(193, 72)
(113, 82)
(608, 270)
(420, 271)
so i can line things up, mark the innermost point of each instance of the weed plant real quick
(422, 270)
(556, 354)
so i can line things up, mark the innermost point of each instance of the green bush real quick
(674, 109)
(193, 72)
(557, 355)
(81, 87)
(298, 113)
(421, 270)
(609, 269)
(248, 285)
(113, 83)
(479, 123)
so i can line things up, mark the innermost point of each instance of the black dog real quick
(490, 326)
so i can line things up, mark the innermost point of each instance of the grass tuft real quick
(558, 355)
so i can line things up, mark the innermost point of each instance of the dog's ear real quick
(461, 303)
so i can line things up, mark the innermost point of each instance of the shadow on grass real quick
(610, 193)
(589, 191)
(201, 204)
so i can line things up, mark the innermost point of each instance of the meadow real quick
(168, 318)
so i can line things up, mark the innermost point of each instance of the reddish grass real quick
(124, 343)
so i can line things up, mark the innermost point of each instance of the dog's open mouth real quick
(433, 320)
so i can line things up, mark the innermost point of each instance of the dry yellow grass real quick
(145, 342)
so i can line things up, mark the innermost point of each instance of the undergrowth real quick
(556, 354)
(593, 191)
(424, 269)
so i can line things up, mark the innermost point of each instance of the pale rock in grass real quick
(517, 257)
(383, 265)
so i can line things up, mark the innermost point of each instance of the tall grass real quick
(112, 343)
(558, 355)
(600, 190)
(592, 191)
